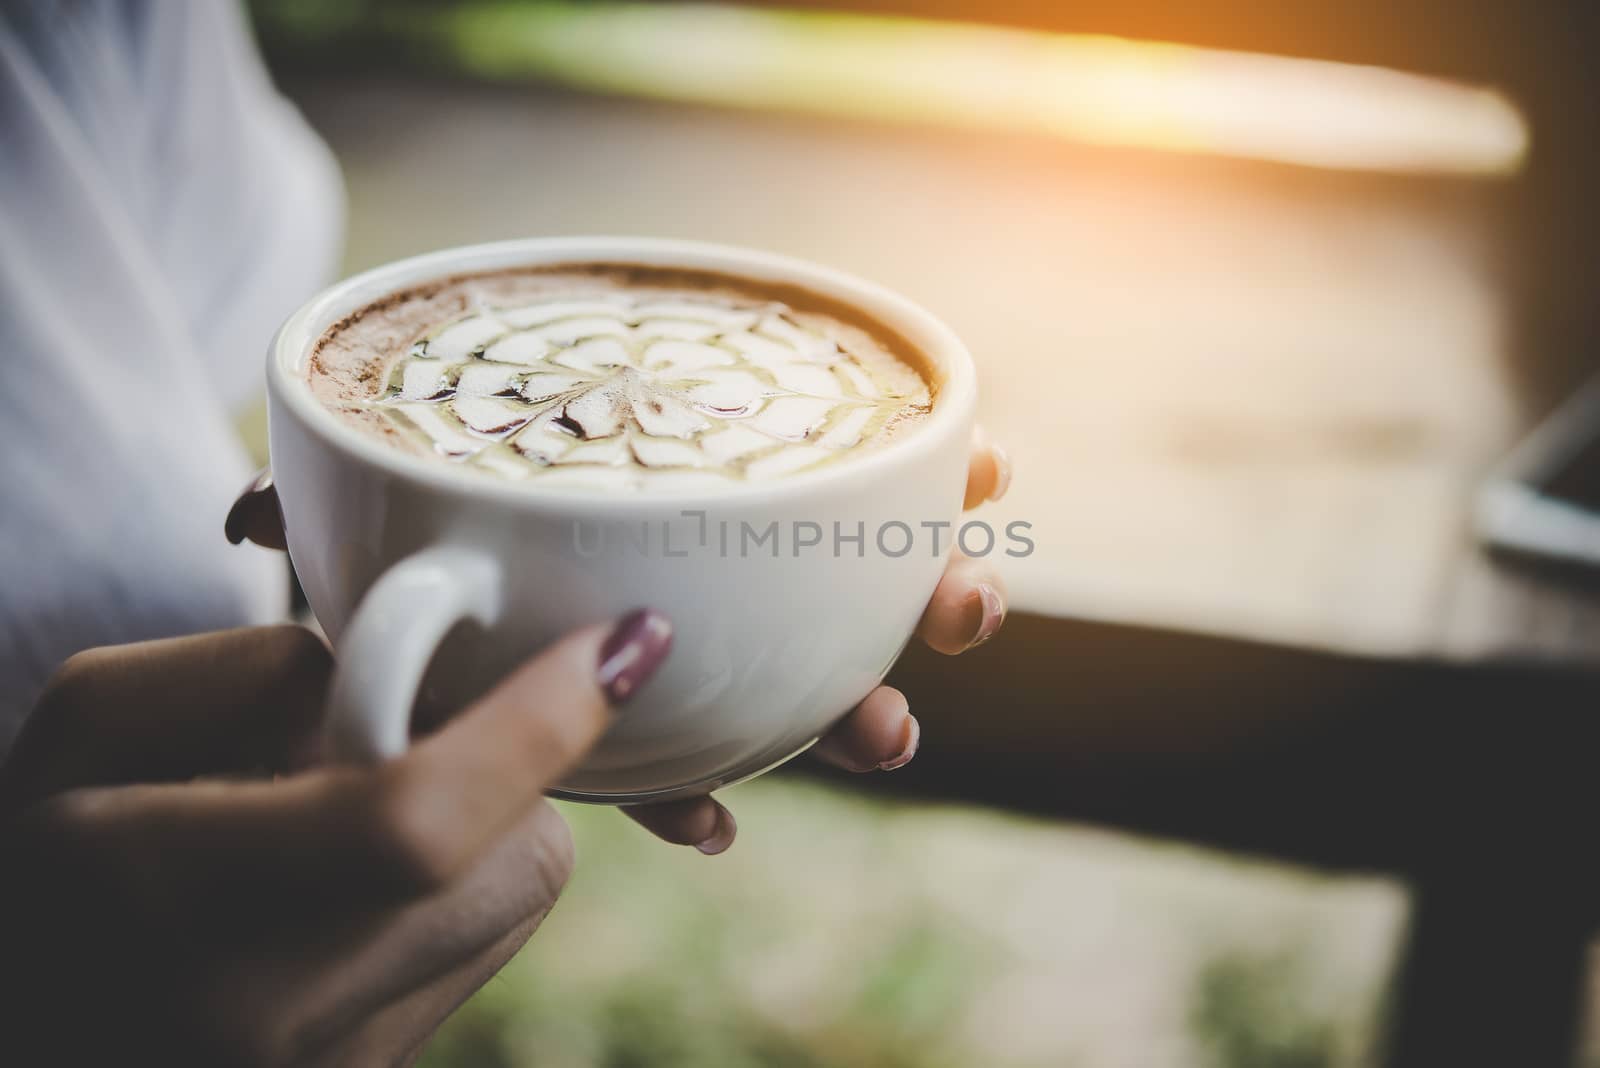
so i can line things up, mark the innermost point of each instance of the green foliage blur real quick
(848, 933)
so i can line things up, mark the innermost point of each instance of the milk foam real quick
(632, 390)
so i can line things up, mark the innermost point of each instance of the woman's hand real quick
(879, 734)
(173, 876)
(179, 873)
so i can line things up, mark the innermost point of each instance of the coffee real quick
(620, 376)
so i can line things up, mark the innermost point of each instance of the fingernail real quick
(632, 652)
(236, 525)
(994, 614)
(913, 738)
(721, 837)
(1002, 472)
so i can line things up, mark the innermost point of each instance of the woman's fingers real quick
(966, 610)
(166, 711)
(404, 829)
(397, 1034)
(338, 992)
(879, 734)
(702, 822)
(988, 471)
(967, 607)
(255, 514)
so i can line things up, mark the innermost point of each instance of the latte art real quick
(631, 387)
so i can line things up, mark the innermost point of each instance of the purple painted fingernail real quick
(913, 738)
(994, 614)
(721, 836)
(1002, 472)
(632, 652)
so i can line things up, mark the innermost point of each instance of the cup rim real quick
(952, 410)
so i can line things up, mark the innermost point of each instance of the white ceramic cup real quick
(406, 562)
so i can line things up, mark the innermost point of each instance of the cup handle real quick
(386, 647)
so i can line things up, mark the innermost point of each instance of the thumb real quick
(490, 764)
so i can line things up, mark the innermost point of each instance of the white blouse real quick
(161, 210)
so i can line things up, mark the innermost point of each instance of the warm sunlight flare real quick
(1093, 89)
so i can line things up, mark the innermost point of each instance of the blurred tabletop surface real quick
(1245, 399)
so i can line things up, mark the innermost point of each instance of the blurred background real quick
(1275, 765)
